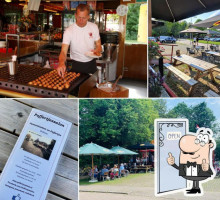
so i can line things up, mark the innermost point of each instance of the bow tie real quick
(191, 164)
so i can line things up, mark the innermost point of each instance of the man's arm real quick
(62, 59)
(98, 47)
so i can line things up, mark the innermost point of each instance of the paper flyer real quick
(30, 168)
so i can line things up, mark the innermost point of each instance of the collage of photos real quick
(109, 99)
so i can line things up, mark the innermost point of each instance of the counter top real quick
(24, 51)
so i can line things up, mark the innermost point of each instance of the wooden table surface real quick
(213, 53)
(196, 63)
(13, 115)
(203, 68)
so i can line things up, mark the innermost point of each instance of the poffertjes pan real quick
(53, 81)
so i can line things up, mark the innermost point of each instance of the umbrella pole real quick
(118, 160)
(92, 168)
(93, 179)
(100, 160)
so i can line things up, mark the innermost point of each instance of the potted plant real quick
(153, 49)
(155, 83)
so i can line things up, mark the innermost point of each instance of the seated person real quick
(114, 172)
(121, 169)
(104, 170)
(108, 167)
(94, 172)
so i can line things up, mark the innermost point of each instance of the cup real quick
(12, 69)
(14, 58)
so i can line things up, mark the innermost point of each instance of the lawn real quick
(133, 42)
(209, 42)
(128, 180)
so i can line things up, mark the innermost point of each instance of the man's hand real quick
(98, 48)
(61, 69)
(96, 52)
(170, 159)
(205, 166)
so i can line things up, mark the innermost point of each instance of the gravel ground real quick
(180, 87)
(140, 188)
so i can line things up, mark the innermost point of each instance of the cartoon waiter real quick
(195, 162)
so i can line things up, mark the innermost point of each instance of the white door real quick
(167, 135)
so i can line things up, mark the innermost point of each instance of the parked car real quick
(212, 39)
(152, 39)
(217, 39)
(167, 39)
(206, 38)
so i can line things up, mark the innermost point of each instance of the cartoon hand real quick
(205, 166)
(171, 159)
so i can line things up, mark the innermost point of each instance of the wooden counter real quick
(29, 49)
(14, 114)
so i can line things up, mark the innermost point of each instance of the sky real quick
(203, 16)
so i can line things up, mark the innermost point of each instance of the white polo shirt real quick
(81, 40)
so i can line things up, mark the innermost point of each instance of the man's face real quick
(195, 148)
(81, 18)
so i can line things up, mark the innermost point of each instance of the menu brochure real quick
(30, 168)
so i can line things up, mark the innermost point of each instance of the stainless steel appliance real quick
(110, 44)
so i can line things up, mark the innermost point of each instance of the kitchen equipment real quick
(26, 74)
(12, 70)
(110, 44)
(2, 44)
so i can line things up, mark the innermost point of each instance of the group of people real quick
(110, 172)
(196, 40)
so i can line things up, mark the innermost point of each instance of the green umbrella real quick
(94, 149)
(122, 151)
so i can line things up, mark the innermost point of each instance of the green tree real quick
(112, 122)
(132, 21)
(199, 114)
(170, 29)
(200, 28)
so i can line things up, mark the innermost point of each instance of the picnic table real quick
(13, 115)
(140, 168)
(213, 53)
(203, 68)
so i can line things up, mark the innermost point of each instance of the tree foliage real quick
(170, 29)
(199, 114)
(113, 122)
(132, 21)
(126, 122)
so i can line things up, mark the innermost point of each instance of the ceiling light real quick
(8, 1)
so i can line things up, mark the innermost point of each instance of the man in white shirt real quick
(82, 36)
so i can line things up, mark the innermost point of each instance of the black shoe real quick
(194, 191)
(190, 189)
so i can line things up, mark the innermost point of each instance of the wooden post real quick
(149, 19)
(92, 167)
(118, 160)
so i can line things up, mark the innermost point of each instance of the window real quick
(136, 27)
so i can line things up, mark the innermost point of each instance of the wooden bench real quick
(217, 70)
(211, 93)
(190, 81)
